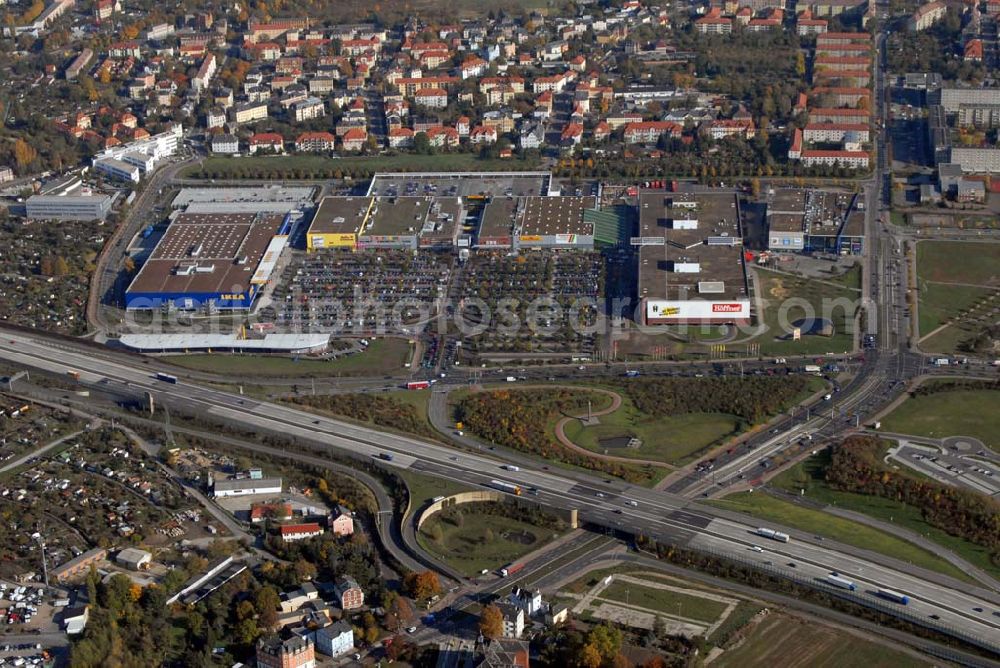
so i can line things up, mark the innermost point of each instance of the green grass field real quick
(808, 476)
(768, 507)
(781, 640)
(952, 277)
(786, 299)
(423, 488)
(940, 303)
(850, 279)
(315, 166)
(383, 356)
(482, 542)
(955, 413)
(664, 601)
(673, 439)
(959, 262)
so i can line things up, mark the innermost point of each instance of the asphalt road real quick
(657, 514)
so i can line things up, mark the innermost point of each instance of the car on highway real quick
(412, 629)
(756, 548)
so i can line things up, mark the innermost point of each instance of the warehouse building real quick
(213, 261)
(245, 487)
(386, 222)
(691, 263)
(537, 222)
(69, 207)
(338, 222)
(412, 222)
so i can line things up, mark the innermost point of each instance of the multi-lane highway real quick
(658, 514)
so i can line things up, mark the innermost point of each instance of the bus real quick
(166, 378)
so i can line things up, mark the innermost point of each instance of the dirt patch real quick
(778, 289)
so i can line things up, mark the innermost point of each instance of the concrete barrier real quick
(485, 495)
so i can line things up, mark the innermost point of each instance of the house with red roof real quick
(293, 532)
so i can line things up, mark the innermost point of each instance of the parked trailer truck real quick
(510, 569)
(773, 535)
(893, 596)
(837, 580)
(505, 487)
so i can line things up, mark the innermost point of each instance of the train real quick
(837, 580)
(773, 535)
(893, 596)
(166, 378)
(505, 487)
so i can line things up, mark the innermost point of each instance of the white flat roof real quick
(285, 342)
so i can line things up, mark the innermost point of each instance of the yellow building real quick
(338, 222)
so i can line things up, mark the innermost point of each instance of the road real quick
(658, 514)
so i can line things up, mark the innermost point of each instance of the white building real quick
(336, 639)
(224, 488)
(118, 169)
(513, 619)
(309, 108)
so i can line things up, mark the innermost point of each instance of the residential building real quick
(293, 532)
(354, 139)
(342, 522)
(6, 174)
(513, 619)
(732, 127)
(849, 159)
(249, 112)
(205, 73)
(225, 145)
(315, 142)
(926, 16)
(401, 137)
(295, 652)
(215, 118)
(336, 639)
(307, 109)
(650, 131)
(269, 142)
(433, 98)
(349, 594)
(836, 132)
(80, 62)
(713, 23)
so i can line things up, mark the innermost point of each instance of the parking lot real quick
(957, 461)
(460, 185)
(525, 303)
(337, 290)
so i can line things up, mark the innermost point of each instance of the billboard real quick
(697, 309)
(529, 238)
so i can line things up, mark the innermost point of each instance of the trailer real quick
(812, 368)
(75, 375)
(166, 378)
(893, 596)
(773, 535)
(418, 385)
(837, 580)
(940, 361)
(505, 487)
(510, 569)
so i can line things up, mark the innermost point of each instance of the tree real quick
(421, 585)
(267, 603)
(590, 657)
(606, 639)
(24, 153)
(402, 609)
(491, 624)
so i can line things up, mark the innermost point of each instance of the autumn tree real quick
(421, 585)
(24, 153)
(491, 624)
(267, 603)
